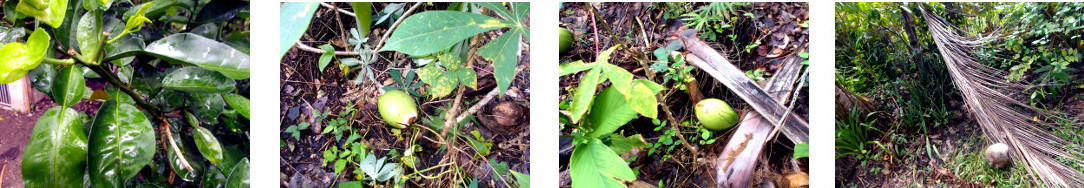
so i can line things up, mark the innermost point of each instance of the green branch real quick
(58, 61)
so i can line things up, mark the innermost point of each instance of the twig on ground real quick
(351, 14)
(339, 20)
(489, 97)
(173, 144)
(308, 48)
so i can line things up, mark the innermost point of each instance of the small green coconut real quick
(397, 108)
(566, 40)
(715, 114)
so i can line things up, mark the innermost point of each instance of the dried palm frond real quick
(996, 103)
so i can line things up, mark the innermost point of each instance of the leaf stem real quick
(173, 144)
(58, 61)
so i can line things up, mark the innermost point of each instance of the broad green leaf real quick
(157, 8)
(585, 93)
(609, 112)
(219, 11)
(622, 145)
(65, 34)
(325, 58)
(11, 34)
(504, 52)
(37, 46)
(339, 166)
(594, 165)
(521, 9)
(524, 180)
(239, 175)
(641, 97)
(213, 177)
(497, 7)
(192, 49)
(209, 30)
(364, 12)
(42, 78)
(801, 150)
(574, 67)
(90, 28)
(52, 15)
(68, 86)
(238, 102)
(12, 56)
(196, 79)
(56, 155)
(124, 50)
(208, 145)
(294, 19)
(206, 106)
(121, 143)
(432, 31)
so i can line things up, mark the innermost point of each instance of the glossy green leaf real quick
(90, 28)
(56, 155)
(192, 49)
(208, 145)
(608, 112)
(124, 51)
(52, 15)
(37, 46)
(294, 19)
(42, 78)
(432, 31)
(595, 165)
(121, 143)
(68, 86)
(65, 34)
(11, 34)
(206, 106)
(196, 79)
(219, 11)
(209, 30)
(12, 56)
(239, 175)
(238, 102)
(157, 8)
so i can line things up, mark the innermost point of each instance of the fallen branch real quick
(736, 165)
(724, 72)
(308, 48)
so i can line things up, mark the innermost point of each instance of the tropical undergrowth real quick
(876, 59)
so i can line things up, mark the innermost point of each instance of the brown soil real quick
(305, 88)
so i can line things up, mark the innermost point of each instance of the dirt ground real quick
(305, 88)
(16, 129)
(961, 136)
